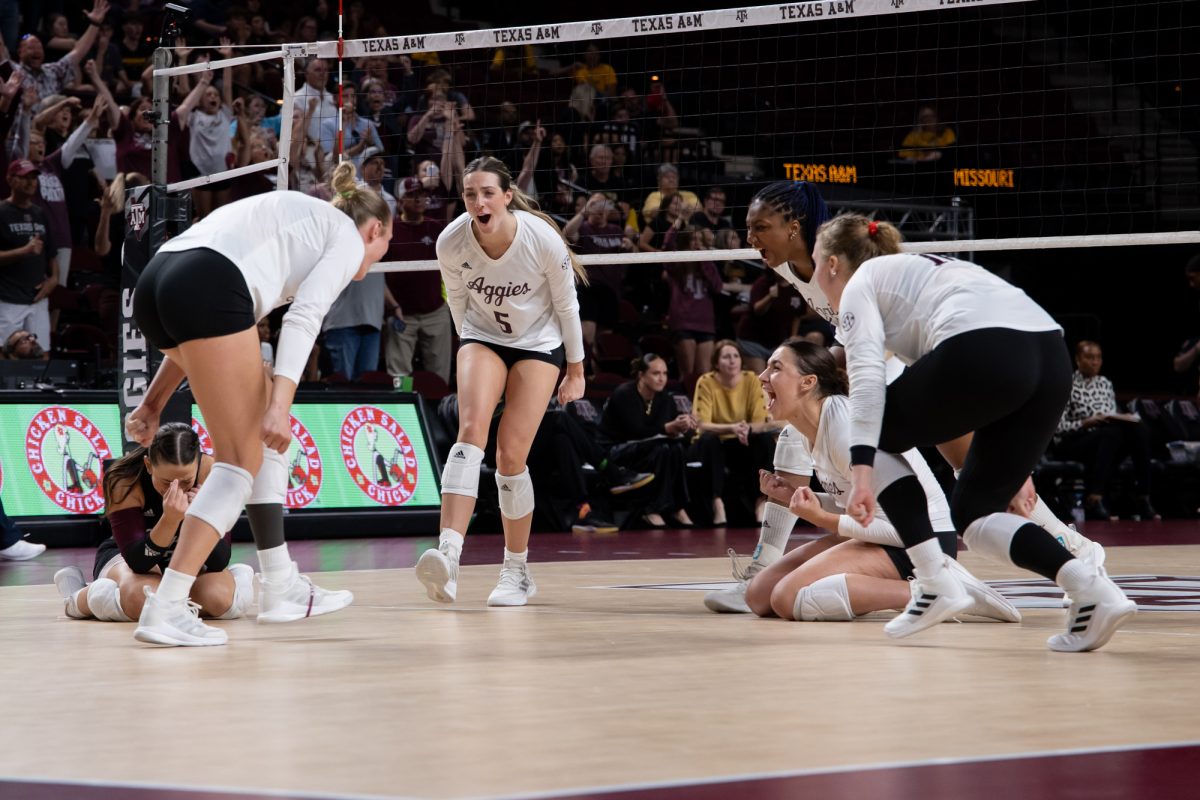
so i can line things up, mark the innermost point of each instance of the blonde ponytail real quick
(523, 202)
(858, 239)
(358, 201)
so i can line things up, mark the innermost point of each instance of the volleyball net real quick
(975, 127)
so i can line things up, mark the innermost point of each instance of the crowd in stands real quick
(600, 151)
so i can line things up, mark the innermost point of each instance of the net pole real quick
(286, 112)
(341, 52)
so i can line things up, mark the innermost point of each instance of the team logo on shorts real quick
(202, 433)
(65, 451)
(304, 467)
(847, 321)
(379, 456)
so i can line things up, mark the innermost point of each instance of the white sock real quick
(773, 536)
(1075, 576)
(276, 564)
(1043, 516)
(926, 557)
(521, 557)
(454, 539)
(175, 586)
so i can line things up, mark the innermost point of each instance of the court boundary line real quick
(803, 773)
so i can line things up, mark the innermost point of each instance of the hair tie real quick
(352, 192)
(872, 228)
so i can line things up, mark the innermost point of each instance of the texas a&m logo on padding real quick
(379, 456)
(64, 450)
(304, 467)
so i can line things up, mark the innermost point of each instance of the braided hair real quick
(796, 200)
(174, 443)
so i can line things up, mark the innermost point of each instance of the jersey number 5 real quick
(502, 321)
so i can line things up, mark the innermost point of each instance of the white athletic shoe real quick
(69, 580)
(987, 601)
(22, 550)
(175, 624)
(516, 586)
(297, 597)
(733, 599)
(243, 591)
(935, 599)
(1094, 617)
(438, 571)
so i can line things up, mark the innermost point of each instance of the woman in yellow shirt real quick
(926, 141)
(729, 406)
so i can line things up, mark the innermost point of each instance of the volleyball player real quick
(982, 357)
(781, 223)
(510, 285)
(147, 492)
(198, 301)
(854, 570)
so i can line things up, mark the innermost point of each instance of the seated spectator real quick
(591, 232)
(560, 449)
(712, 216)
(668, 184)
(649, 436)
(690, 311)
(928, 140)
(554, 177)
(773, 317)
(593, 71)
(619, 130)
(600, 177)
(21, 345)
(731, 413)
(1093, 432)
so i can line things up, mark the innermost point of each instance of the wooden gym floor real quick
(615, 683)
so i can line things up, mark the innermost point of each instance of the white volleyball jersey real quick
(290, 248)
(524, 299)
(909, 304)
(831, 461)
(812, 295)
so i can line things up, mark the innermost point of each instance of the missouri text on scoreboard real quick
(993, 178)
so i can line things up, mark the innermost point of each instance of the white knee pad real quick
(824, 600)
(516, 494)
(992, 535)
(461, 473)
(889, 468)
(270, 484)
(792, 452)
(222, 497)
(104, 600)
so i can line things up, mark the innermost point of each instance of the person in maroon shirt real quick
(773, 317)
(421, 316)
(692, 317)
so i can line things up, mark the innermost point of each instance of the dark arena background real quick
(1066, 159)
